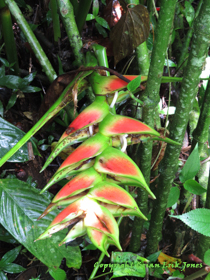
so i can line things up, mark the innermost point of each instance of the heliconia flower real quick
(114, 162)
(76, 231)
(103, 85)
(71, 214)
(88, 149)
(91, 115)
(116, 124)
(123, 180)
(99, 239)
(68, 141)
(68, 172)
(61, 203)
(79, 183)
(99, 218)
(113, 194)
(119, 211)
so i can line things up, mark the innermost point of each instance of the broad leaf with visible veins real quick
(130, 31)
(20, 206)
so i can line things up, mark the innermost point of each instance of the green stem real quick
(197, 274)
(100, 53)
(55, 19)
(187, 41)
(200, 135)
(102, 256)
(162, 34)
(61, 102)
(9, 40)
(168, 166)
(143, 59)
(37, 49)
(67, 16)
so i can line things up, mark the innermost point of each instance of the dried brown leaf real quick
(130, 31)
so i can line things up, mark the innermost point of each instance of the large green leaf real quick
(20, 206)
(198, 219)
(191, 167)
(130, 31)
(9, 136)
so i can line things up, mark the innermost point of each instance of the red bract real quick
(112, 193)
(115, 162)
(115, 125)
(88, 149)
(81, 182)
(68, 141)
(69, 171)
(89, 116)
(103, 85)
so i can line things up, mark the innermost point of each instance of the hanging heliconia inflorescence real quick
(93, 198)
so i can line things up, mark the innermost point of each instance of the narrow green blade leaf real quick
(10, 256)
(134, 84)
(173, 196)
(191, 166)
(13, 268)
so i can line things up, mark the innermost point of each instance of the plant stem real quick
(67, 16)
(9, 40)
(169, 164)
(61, 102)
(197, 274)
(100, 53)
(162, 34)
(200, 136)
(102, 256)
(55, 19)
(187, 41)
(142, 57)
(37, 49)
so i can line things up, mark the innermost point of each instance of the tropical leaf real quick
(130, 31)
(20, 206)
(10, 135)
(198, 219)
